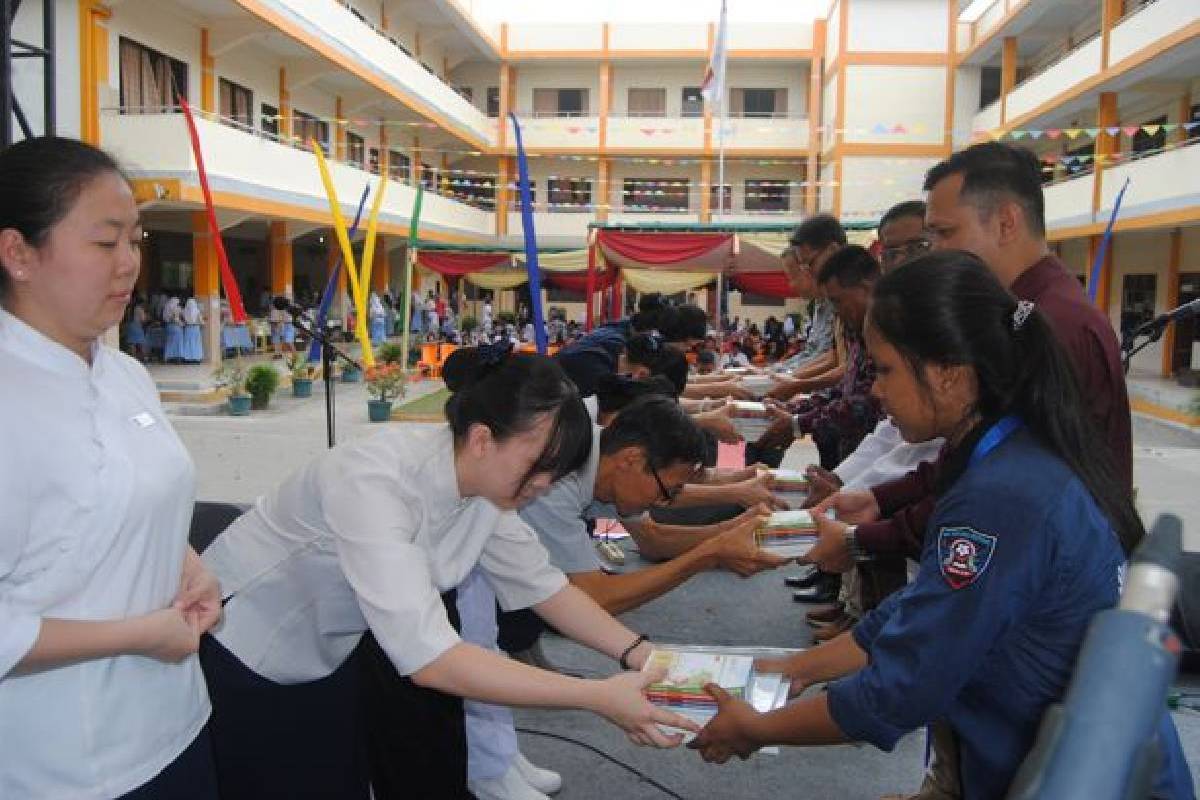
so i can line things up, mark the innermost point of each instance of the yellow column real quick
(706, 180)
(503, 179)
(1008, 74)
(339, 132)
(280, 253)
(208, 94)
(384, 159)
(1174, 259)
(381, 270)
(1106, 117)
(1185, 116)
(603, 197)
(285, 106)
(206, 285)
(93, 66)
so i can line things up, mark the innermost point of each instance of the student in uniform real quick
(102, 601)
(1027, 541)
(366, 537)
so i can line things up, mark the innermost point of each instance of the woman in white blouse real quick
(102, 602)
(368, 536)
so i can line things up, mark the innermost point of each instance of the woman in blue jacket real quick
(1027, 542)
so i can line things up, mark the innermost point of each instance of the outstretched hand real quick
(728, 733)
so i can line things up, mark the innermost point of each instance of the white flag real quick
(713, 87)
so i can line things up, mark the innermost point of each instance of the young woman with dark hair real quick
(367, 536)
(102, 601)
(1027, 542)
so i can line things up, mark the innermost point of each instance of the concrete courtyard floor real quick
(238, 459)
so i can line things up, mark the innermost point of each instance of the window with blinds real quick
(656, 194)
(235, 104)
(148, 79)
(768, 195)
(306, 127)
(560, 102)
(647, 102)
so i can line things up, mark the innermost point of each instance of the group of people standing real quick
(319, 647)
(166, 327)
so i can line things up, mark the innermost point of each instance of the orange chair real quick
(429, 359)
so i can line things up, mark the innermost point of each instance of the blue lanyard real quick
(995, 435)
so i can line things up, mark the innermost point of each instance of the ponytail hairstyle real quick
(947, 308)
(40, 180)
(508, 392)
(681, 323)
(652, 352)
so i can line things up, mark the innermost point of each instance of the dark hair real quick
(992, 173)
(706, 357)
(947, 308)
(818, 232)
(40, 179)
(506, 392)
(650, 306)
(680, 323)
(660, 428)
(852, 266)
(909, 208)
(614, 392)
(651, 352)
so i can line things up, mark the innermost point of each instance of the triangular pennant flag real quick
(1073, 133)
(879, 129)
(1170, 127)
(1113, 132)
(1053, 133)
(573, 129)
(1131, 130)
(899, 129)
(1035, 134)
(1092, 132)
(1018, 134)
(1152, 130)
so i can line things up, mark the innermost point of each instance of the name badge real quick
(143, 420)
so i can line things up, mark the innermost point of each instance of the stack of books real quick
(791, 485)
(689, 668)
(788, 533)
(750, 419)
(736, 371)
(757, 385)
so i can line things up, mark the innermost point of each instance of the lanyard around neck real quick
(995, 435)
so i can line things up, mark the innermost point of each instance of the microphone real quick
(1159, 323)
(1100, 743)
(282, 303)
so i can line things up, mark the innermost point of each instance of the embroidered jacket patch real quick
(964, 555)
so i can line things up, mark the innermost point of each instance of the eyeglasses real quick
(905, 251)
(668, 495)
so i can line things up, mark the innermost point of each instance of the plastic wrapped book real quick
(750, 419)
(690, 667)
(788, 533)
(757, 385)
(790, 485)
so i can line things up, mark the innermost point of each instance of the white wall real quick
(641, 36)
(556, 76)
(170, 34)
(829, 120)
(27, 80)
(793, 77)
(480, 76)
(1138, 253)
(872, 185)
(1149, 25)
(1082, 64)
(833, 27)
(914, 97)
(898, 25)
(556, 36)
(674, 77)
(966, 103)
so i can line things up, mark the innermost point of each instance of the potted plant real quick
(351, 373)
(390, 354)
(303, 375)
(232, 376)
(261, 382)
(385, 383)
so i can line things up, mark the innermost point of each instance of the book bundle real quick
(750, 419)
(789, 533)
(791, 485)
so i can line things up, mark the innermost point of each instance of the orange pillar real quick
(1008, 74)
(1106, 146)
(285, 106)
(339, 131)
(206, 285)
(706, 193)
(208, 94)
(280, 254)
(381, 269)
(603, 197)
(1174, 259)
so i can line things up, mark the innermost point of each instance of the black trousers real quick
(272, 740)
(416, 737)
(191, 776)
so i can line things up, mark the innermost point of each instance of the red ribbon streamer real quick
(228, 282)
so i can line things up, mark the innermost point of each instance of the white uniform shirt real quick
(368, 534)
(96, 494)
(882, 456)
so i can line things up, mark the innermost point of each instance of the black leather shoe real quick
(817, 594)
(805, 580)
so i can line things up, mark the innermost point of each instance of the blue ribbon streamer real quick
(531, 250)
(314, 349)
(1094, 280)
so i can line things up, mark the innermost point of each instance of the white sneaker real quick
(509, 786)
(544, 780)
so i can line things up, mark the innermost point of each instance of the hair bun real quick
(467, 365)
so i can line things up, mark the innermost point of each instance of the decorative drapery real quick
(666, 281)
(498, 279)
(771, 284)
(660, 247)
(577, 281)
(569, 261)
(455, 265)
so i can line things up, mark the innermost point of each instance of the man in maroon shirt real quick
(988, 200)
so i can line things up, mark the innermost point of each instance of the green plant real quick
(385, 382)
(301, 368)
(389, 354)
(468, 323)
(232, 376)
(261, 381)
(507, 318)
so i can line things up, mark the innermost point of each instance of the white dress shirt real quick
(883, 455)
(96, 493)
(367, 535)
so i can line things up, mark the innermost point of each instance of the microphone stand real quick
(329, 353)
(1152, 330)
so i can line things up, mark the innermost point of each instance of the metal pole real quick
(6, 91)
(49, 79)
